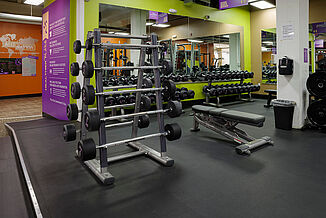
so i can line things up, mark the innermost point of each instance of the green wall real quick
(235, 16)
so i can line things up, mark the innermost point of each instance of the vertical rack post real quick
(159, 104)
(100, 100)
(88, 56)
(139, 86)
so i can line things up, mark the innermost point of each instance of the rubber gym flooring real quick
(208, 179)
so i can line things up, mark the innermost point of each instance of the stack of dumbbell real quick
(229, 89)
(269, 74)
(223, 75)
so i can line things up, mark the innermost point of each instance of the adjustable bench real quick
(224, 121)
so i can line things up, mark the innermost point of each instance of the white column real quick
(292, 19)
(80, 35)
(138, 27)
(234, 43)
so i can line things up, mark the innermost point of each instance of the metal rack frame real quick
(99, 167)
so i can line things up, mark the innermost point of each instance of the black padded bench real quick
(271, 94)
(224, 121)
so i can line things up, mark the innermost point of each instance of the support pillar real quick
(292, 20)
(138, 27)
(234, 43)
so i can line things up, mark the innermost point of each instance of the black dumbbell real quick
(78, 46)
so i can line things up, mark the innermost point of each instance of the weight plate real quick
(69, 132)
(317, 113)
(121, 100)
(92, 120)
(110, 101)
(174, 109)
(77, 46)
(88, 94)
(191, 94)
(74, 69)
(147, 83)
(166, 66)
(173, 131)
(72, 111)
(143, 121)
(88, 69)
(86, 149)
(316, 84)
(75, 90)
(145, 103)
(169, 87)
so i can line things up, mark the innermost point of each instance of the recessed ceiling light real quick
(262, 4)
(193, 40)
(149, 24)
(122, 33)
(34, 2)
(161, 25)
(268, 42)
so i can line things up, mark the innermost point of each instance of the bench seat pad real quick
(202, 109)
(243, 116)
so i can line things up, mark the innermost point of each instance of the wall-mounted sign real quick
(225, 4)
(158, 16)
(10, 66)
(55, 52)
(319, 27)
(319, 43)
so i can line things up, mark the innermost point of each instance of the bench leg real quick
(195, 125)
(270, 96)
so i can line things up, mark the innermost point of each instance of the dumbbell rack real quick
(100, 167)
(218, 104)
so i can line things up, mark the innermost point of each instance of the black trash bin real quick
(283, 113)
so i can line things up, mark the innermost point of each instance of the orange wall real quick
(266, 57)
(12, 84)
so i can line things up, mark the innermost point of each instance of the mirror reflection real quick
(268, 49)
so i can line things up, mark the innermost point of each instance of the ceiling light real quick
(149, 24)
(262, 4)
(268, 42)
(121, 33)
(20, 17)
(193, 40)
(226, 36)
(161, 25)
(174, 36)
(34, 2)
(111, 32)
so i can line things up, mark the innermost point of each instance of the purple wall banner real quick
(305, 55)
(225, 4)
(55, 58)
(153, 15)
(319, 28)
(319, 43)
(162, 18)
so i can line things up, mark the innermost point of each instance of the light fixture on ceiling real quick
(174, 36)
(261, 4)
(149, 24)
(111, 32)
(33, 2)
(20, 17)
(161, 25)
(226, 36)
(194, 40)
(268, 42)
(122, 33)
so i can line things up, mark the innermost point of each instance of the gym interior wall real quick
(18, 42)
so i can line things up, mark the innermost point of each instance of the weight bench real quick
(224, 121)
(271, 93)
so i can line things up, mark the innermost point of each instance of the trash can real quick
(283, 113)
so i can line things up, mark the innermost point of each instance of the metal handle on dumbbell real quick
(130, 68)
(126, 46)
(128, 91)
(134, 115)
(131, 140)
(124, 36)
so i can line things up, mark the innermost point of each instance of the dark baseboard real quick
(21, 96)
